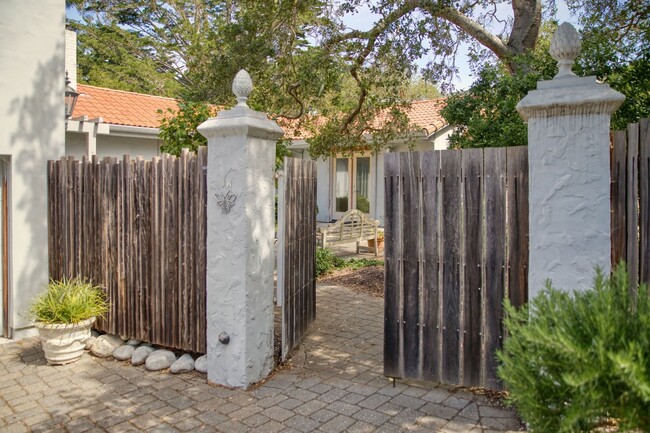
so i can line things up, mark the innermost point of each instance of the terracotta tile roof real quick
(137, 109)
(121, 108)
(424, 115)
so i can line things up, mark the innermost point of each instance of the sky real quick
(364, 20)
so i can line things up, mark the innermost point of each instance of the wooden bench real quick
(354, 226)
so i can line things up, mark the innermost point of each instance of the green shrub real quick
(573, 360)
(362, 263)
(326, 261)
(69, 301)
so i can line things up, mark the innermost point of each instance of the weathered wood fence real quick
(137, 228)
(297, 250)
(456, 245)
(630, 166)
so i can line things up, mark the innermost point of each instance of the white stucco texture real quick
(240, 255)
(569, 181)
(32, 130)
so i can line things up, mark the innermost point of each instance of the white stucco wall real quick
(569, 181)
(115, 146)
(32, 131)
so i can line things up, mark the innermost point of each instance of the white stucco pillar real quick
(240, 235)
(569, 174)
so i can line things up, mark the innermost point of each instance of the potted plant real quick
(380, 240)
(64, 314)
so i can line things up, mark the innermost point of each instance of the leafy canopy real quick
(298, 53)
(307, 64)
(485, 114)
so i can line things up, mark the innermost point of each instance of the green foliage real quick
(326, 261)
(281, 150)
(118, 58)
(178, 128)
(298, 53)
(485, 115)
(362, 263)
(572, 360)
(419, 89)
(69, 301)
(178, 131)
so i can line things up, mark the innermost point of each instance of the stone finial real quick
(565, 47)
(242, 86)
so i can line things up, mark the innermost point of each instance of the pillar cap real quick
(242, 86)
(566, 94)
(241, 120)
(565, 47)
(576, 96)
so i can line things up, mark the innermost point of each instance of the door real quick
(351, 185)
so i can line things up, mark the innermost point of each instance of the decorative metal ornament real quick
(226, 201)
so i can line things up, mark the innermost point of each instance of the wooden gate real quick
(456, 245)
(296, 250)
(138, 229)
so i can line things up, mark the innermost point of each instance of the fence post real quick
(568, 160)
(240, 233)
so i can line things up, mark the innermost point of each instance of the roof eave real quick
(134, 131)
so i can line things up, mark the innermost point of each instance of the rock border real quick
(107, 345)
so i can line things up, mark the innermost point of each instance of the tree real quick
(298, 52)
(485, 114)
(113, 57)
(616, 49)
(617, 53)
(178, 130)
(384, 56)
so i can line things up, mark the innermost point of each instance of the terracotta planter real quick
(371, 243)
(64, 343)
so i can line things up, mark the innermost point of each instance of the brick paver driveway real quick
(334, 383)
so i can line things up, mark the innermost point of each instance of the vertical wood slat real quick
(451, 216)
(618, 170)
(135, 228)
(410, 269)
(153, 319)
(494, 260)
(431, 300)
(517, 219)
(632, 208)
(644, 201)
(392, 262)
(471, 179)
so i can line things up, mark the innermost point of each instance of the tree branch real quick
(475, 30)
